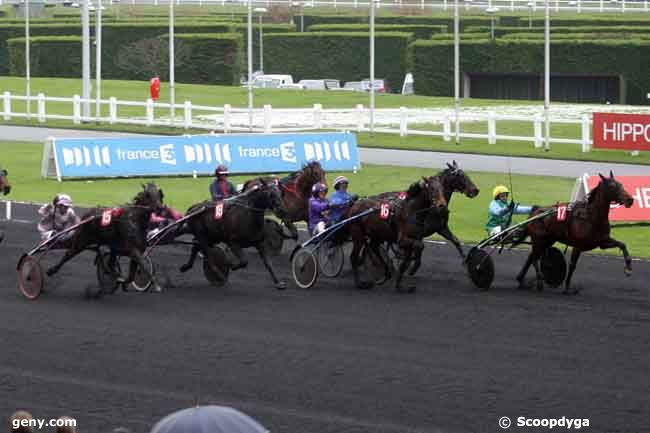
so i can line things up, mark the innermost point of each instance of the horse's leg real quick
(613, 243)
(447, 234)
(376, 248)
(410, 247)
(239, 255)
(524, 271)
(280, 285)
(190, 262)
(355, 261)
(575, 255)
(293, 230)
(537, 253)
(69, 254)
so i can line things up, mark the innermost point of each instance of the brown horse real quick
(122, 229)
(453, 179)
(396, 221)
(5, 186)
(584, 226)
(296, 190)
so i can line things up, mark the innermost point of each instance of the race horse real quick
(239, 223)
(5, 188)
(399, 222)
(122, 229)
(453, 179)
(583, 226)
(296, 190)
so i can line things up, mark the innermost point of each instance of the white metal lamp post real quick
(28, 78)
(250, 64)
(492, 11)
(531, 5)
(261, 12)
(372, 66)
(302, 14)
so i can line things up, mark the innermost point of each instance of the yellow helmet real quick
(500, 189)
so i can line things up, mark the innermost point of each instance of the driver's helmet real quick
(63, 200)
(317, 188)
(339, 180)
(220, 170)
(500, 189)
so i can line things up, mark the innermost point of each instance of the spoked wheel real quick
(30, 277)
(331, 259)
(480, 267)
(141, 281)
(554, 267)
(273, 238)
(304, 267)
(107, 275)
(216, 266)
(374, 265)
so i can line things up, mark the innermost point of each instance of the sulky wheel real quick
(216, 266)
(331, 259)
(30, 277)
(480, 268)
(141, 281)
(553, 267)
(273, 238)
(304, 267)
(107, 274)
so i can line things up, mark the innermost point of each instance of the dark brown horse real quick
(240, 224)
(584, 226)
(296, 190)
(395, 221)
(5, 186)
(122, 229)
(453, 179)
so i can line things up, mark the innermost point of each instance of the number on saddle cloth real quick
(218, 210)
(561, 213)
(384, 210)
(109, 214)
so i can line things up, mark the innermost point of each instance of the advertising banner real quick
(621, 131)
(189, 155)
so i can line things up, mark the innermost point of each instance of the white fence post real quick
(317, 116)
(446, 128)
(76, 109)
(41, 107)
(538, 132)
(149, 112)
(6, 105)
(187, 114)
(226, 118)
(268, 119)
(112, 110)
(359, 117)
(403, 122)
(586, 147)
(492, 128)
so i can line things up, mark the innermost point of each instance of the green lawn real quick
(469, 215)
(236, 96)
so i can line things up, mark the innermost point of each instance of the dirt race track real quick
(330, 359)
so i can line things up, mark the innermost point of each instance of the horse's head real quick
(429, 190)
(456, 180)
(270, 188)
(5, 186)
(151, 197)
(310, 174)
(614, 191)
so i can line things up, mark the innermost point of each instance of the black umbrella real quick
(208, 419)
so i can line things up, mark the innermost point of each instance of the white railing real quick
(403, 121)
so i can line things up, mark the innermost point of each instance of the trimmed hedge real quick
(420, 31)
(612, 20)
(432, 62)
(50, 56)
(579, 36)
(559, 30)
(344, 56)
(242, 29)
(463, 36)
(213, 58)
(446, 20)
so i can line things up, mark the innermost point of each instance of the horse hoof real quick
(628, 272)
(364, 285)
(521, 284)
(156, 289)
(281, 285)
(50, 272)
(410, 289)
(185, 268)
(540, 286)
